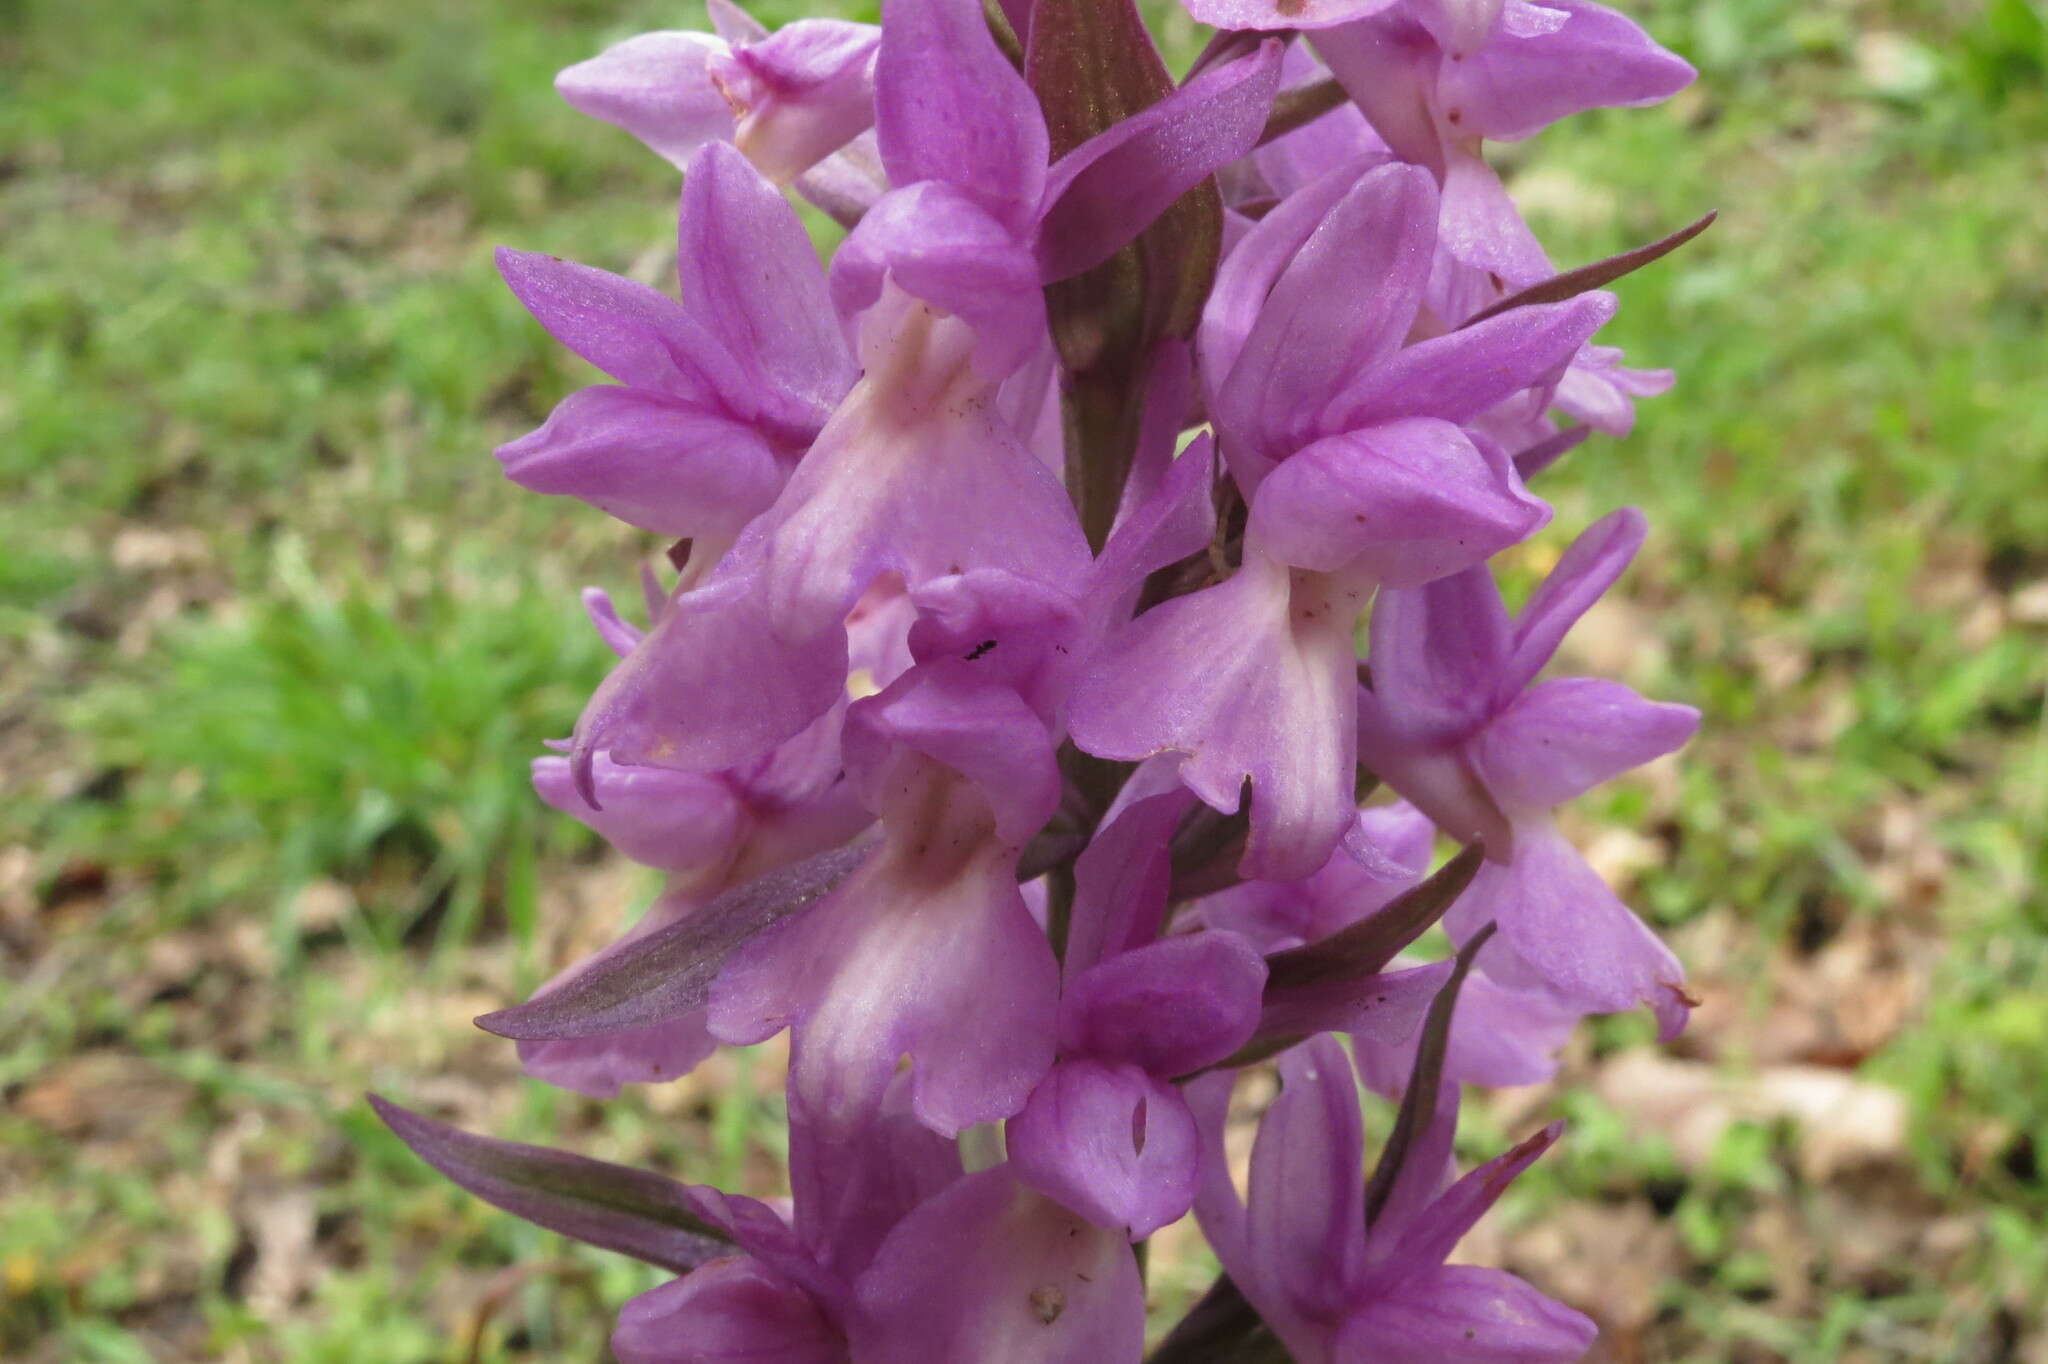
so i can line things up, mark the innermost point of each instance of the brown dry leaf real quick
(106, 1095)
(2029, 604)
(1607, 1261)
(279, 1224)
(1841, 1122)
(142, 548)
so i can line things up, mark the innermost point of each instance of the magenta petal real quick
(1110, 188)
(944, 711)
(1436, 1229)
(940, 244)
(1468, 1314)
(1402, 503)
(1513, 87)
(1435, 653)
(916, 475)
(1217, 1205)
(1254, 679)
(1561, 927)
(1459, 376)
(1110, 1142)
(638, 335)
(731, 1311)
(1015, 632)
(750, 272)
(666, 466)
(807, 91)
(601, 1066)
(659, 817)
(1435, 779)
(676, 700)
(1171, 1007)
(1343, 303)
(991, 1270)
(1305, 1202)
(1385, 851)
(734, 24)
(950, 107)
(1585, 571)
(1389, 850)
(618, 636)
(1388, 64)
(1482, 228)
(954, 973)
(1564, 737)
(1500, 1036)
(1282, 14)
(1178, 519)
(853, 1180)
(1246, 277)
(655, 87)
(1121, 879)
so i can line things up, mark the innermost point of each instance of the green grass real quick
(271, 620)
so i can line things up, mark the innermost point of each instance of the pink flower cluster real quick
(1003, 729)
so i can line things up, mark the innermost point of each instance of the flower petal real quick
(1282, 14)
(1403, 503)
(1110, 1142)
(671, 467)
(956, 974)
(1564, 737)
(1435, 653)
(638, 335)
(1243, 281)
(600, 1066)
(1253, 685)
(940, 244)
(1473, 1315)
(1460, 375)
(1305, 1228)
(1585, 571)
(1171, 1007)
(655, 87)
(1562, 928)
(1121, 880)
(750, 273)
(950, 107)
(659, 817)
(1514, 86)
(1341, 305)
(1106, 191)
(991, 1270)
(731, 1311)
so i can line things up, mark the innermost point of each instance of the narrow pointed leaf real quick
(1363, 949)
(1548, 451)
(1599, 274)
(669, 972)
(634, 1212)
(1301, 106)
(1419, 1101)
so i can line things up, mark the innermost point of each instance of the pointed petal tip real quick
(583, 769)
(495, 1023)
